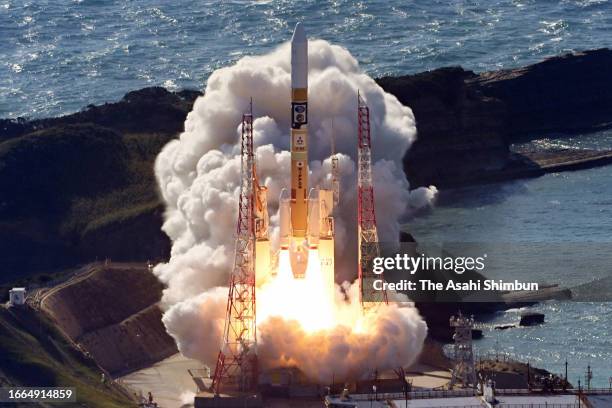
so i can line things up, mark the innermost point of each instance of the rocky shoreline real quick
(467, 122)
(60, 207)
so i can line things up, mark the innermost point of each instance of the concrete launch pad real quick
(169, 381)
(207, 400)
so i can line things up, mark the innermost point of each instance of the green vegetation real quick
(81, 187)
(135, 195)
(34, 353)
(41, 171)
(74, 189)
(65, 186)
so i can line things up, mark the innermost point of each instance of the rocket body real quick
(306, 220)
(299, 132)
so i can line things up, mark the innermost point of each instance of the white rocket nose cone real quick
(299, 35)
(299, 58)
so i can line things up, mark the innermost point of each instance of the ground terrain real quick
(36, 353)
(80, 188)
(111, 312)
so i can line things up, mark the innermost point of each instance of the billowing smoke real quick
(199, 178)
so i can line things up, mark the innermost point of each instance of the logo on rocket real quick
(300, 115)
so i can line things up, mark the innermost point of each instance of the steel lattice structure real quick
(464, 372)
(368, 234)
(236, 367)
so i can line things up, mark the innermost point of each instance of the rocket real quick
(299, 132)
(306, 221)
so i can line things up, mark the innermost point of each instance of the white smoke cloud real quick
(422, 199)
(352, 349)
(199, 179)
(186, 398)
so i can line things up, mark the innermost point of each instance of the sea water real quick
(554, 229)
(57, 56)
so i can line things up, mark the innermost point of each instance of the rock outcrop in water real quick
(148, 110)
(458, 127)
(564, 94)
(465, 121)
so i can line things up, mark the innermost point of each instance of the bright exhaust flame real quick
(323, 331)
(307, 301)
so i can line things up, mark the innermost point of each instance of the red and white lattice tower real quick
(236, 368)
(368, 235)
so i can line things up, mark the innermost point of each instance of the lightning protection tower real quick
(368, 234)
(236, 367)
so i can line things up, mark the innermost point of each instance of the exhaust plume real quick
(199, 179)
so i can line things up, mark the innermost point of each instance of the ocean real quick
(553, 229)
(56, 57)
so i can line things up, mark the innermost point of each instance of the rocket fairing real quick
(299, 132)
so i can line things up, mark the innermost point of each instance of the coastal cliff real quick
(81, 187)
(466, 122)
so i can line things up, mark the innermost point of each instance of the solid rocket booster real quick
(299, 131)
(285, 224)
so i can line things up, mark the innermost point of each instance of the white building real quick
(17, 296)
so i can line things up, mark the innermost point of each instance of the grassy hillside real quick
(81, 187)
(34, 353)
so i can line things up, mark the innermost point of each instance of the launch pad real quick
(206, 400)
(306, 236)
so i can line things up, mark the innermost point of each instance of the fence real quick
(545, 405)
(445, 406)
(414, 395)
(501, 357)
(594, 391)
(536, 391)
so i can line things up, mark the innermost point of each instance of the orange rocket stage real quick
(306, 221)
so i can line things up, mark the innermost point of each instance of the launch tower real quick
(366, 216)
(236, 367)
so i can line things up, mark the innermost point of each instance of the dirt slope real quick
(111, 312)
